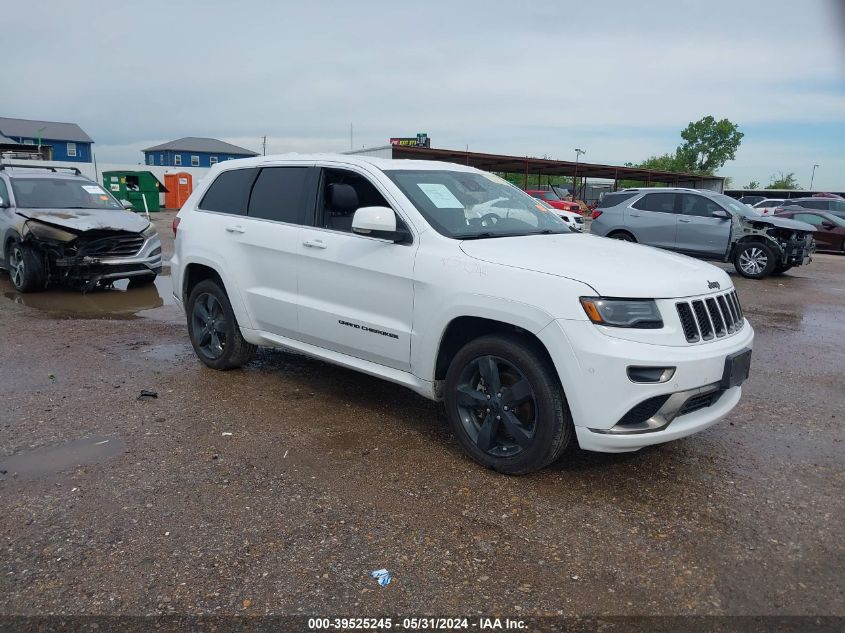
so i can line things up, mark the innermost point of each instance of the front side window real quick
(469, 205)
(279, 194)
(550, 195)
(71, 149)
(195, 161)
(343, 192)
(61, 193)
(698, 206)
(659, 202)
(177, 159)
(229, 193)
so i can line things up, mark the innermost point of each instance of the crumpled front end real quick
(88, 258)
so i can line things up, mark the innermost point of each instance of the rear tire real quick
(754, 260)
(26, 268)
(213, 328)
(623, 236)
(506, 406)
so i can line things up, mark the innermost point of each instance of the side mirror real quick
(828, 225)
(721, 214)
(379, 222)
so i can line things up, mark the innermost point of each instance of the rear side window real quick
(612, 199)
(229, 193)
(278, 194)
(660, 202)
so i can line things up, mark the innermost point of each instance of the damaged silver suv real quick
(706, 225)
(59, 227)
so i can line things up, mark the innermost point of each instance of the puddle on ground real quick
(117, 302)
(49, 460)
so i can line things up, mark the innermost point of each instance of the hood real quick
(80, 220)
(782, 223)
(612, 267)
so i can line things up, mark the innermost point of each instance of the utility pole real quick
(264, 145)
(813, 177)
(578, 152)
(351, 144)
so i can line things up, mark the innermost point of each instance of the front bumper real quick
(593, 368)
(95, 269)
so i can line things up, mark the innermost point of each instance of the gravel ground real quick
(276, 489)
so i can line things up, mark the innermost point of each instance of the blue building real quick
(193, 151)
(57, 141)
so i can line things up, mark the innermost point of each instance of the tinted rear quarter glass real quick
(229, 193)
(612, 199)
(279, 194)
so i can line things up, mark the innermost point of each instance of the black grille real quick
(718, 321)
(110, 245)
(710, 317)
(729, 319)
(700, 401)
(644, 410)
(703, 322)
(688, 322)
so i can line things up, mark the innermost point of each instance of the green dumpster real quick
(139, 188)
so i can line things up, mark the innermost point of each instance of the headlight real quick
(47, 232)
(149, 231)
(635, 313)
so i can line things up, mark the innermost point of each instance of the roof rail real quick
(75, 170)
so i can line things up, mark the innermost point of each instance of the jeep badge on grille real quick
(713, 284)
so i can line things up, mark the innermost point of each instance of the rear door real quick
(267, 243)
(699, 233)
(652, 219)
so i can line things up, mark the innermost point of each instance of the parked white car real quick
(533, 336)
(768, 206)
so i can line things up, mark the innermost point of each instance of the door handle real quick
(634, 215)
(236, 228)
(684, 221)
(314, 243)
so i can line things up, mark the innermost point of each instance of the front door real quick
(699, 233)
(355, 292)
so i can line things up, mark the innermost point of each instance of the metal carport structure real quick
(502, 163)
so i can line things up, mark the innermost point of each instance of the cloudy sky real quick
(617, 78)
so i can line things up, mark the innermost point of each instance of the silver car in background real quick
(706, 225)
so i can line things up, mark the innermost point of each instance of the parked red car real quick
(553, 199)
(830, 228)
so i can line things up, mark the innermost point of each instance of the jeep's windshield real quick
(467, 205)
(61, 193)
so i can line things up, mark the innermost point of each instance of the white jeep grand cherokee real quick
(533, 335)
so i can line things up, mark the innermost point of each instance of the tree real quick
(752, 185)
(708, 145)
(783, 181)
(664, 162)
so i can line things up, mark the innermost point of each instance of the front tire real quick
(754, 260)
(26, 268)
(506, 405)
(213, 328)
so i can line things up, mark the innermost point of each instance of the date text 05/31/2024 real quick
(415, 624)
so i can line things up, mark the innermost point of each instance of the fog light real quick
(654, 375)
